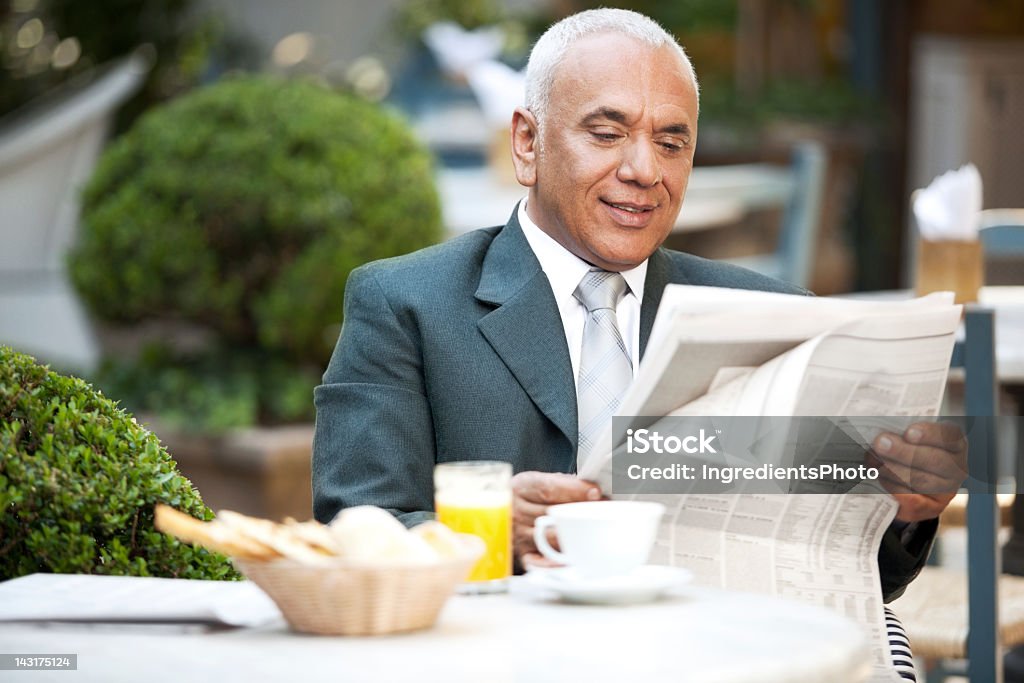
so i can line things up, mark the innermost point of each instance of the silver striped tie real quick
(605, 366)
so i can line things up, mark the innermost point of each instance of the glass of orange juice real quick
(475, 497)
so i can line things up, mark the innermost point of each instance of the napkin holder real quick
(950, 265)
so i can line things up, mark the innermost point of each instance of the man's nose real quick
(640, 164)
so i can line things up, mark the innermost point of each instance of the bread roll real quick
(445, 542)
(372, 535)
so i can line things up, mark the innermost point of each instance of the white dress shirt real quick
(565, 270)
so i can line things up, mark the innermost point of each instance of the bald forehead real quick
(617, 66)
(598, 51)
(618, 62)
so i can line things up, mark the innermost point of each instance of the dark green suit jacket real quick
(456, 352)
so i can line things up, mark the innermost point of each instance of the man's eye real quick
(672, 145)
(606, 137)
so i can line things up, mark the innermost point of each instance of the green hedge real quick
(241, 208)
(78, 482)
(244, 205)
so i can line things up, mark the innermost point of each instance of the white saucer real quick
(643, 584)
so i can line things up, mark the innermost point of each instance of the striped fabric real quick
(899, 646)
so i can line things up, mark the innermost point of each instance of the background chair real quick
(948, 615)
(1002, 239)
(793, 258)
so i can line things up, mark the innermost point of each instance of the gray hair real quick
(551, 47)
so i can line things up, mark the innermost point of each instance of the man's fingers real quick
(918, 480)
(551, 488)
(524, 512)
(945, 435)
(523, 544)
(522, 530)
(896, 485)
(551, 537)
(532, 493)
(531, 560)
(917, 508)
(921, 466)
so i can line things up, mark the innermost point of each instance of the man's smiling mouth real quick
(631, 208)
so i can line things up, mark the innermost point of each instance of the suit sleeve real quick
(900, 559)
(374, 438)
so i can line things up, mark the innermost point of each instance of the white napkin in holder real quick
(949, 256)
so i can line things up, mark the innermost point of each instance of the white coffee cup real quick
(600, 538)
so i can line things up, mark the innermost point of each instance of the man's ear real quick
(524, 146)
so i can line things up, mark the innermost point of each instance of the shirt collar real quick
(565, 269)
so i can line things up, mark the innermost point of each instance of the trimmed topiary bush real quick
(78, 482)
(242, 207)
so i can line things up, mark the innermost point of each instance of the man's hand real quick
(923, 468)
(532, 493)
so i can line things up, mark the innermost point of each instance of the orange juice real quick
(475, 497)
(490, 518)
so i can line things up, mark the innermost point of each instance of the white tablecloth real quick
(696, 635)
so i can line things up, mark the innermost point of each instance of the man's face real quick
(608, 169)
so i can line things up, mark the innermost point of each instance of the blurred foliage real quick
(78, 482)
(707, 30)
(212, 391)
(241, 208)
(413, 16)
(39, 41)
(683, 15)
(833, 102)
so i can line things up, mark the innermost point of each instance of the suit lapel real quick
(654, 286)
(522, 329)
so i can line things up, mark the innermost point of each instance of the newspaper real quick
(816, 549)
(794, 355)
(735, 352)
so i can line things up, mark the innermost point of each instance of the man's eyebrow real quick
(610, 114)
(604, 113)
(676, 129)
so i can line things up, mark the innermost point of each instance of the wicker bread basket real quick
(349, 599)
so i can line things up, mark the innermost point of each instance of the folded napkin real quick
(950, 207)
(134, 599)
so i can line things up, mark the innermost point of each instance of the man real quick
(472, 349)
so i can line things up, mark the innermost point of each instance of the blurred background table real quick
(1008, 303)
(698, 635)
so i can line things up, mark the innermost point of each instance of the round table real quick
(693, 635)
